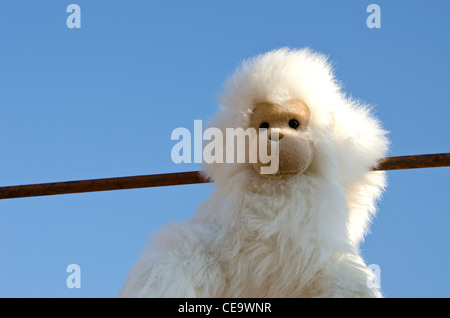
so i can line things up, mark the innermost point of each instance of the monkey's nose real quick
(276, 136)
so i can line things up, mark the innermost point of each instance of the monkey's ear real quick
(222, 171)
(361, 142)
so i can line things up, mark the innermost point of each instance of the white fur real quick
(296, 236)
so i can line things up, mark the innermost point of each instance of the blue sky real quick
(102, 101)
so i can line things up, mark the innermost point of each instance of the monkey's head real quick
(292, 97)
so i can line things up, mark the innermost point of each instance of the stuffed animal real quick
(292, 233)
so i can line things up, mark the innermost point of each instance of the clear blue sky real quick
(102, 101)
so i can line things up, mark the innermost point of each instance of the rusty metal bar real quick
(414, 162)
(120, 183)
(192, 177)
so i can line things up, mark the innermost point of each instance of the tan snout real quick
(293, 156)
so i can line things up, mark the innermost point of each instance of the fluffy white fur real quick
(296, 236)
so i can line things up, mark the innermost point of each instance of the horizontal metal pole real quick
(414, 162)
(180, 178)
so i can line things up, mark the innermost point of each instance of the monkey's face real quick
(295, 148)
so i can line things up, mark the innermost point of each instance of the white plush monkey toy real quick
(292, 233)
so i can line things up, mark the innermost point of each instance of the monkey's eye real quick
(293, 123)
(264, 125)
